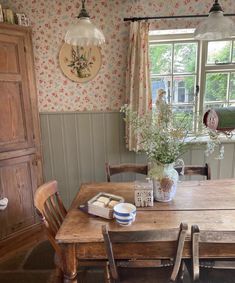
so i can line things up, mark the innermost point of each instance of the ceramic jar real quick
(165, 179)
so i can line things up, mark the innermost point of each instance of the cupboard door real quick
(16, 115)
(17, 177)
(20, 146)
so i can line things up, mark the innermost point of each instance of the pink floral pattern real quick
(50, 20)
(138, 86)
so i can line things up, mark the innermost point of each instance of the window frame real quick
(202, 68)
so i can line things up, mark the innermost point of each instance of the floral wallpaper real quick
(50, 20)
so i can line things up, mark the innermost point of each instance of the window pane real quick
(232, 86)
(160, 59)
(185, 57)
(161, 83)
(233, 51)
(219, 51)
(184, 87)
(184, 116)
(216, 86)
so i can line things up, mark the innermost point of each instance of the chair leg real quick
(181, 273)
(107, 277)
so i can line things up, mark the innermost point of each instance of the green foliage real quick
(232, 86)
(185, 58)
(160, 135)
(216, 83)
(161, 58)
(164, 135)
(216, 86)
(223, 53)
(185, 62)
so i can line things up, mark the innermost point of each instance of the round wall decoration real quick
(78, 63)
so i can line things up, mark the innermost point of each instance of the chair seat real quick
(145, 275)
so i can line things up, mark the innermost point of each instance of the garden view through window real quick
(195, 75)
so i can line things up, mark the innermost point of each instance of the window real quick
(195, 75)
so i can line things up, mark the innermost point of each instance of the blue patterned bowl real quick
(124, 213)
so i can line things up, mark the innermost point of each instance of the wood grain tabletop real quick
(209, 204)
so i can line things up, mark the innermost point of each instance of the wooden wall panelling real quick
(99, 145)
(227, 164)
(56, 126)
(71, 155)
(84, 128)
(47, 148)
(214, 164)
(198, 158)
(99, 137)
(126, 155)
(113, 140)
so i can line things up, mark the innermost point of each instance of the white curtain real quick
(138, 85)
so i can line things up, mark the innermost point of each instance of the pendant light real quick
(216, 26)
(84, 33)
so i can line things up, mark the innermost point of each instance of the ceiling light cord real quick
(216, 7)
(83, 13)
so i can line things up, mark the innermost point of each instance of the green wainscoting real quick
(77, 144)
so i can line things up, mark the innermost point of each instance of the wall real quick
(50, 20)
(76, 146)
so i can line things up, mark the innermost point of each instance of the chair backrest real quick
(125, 168)
(211, 237)
(196, 170)
(144, 236)
(51, 210)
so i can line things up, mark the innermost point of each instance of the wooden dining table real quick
(210, 204)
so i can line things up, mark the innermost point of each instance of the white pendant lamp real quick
(84, 33)
(216, 26)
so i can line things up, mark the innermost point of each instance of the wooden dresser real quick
(20, 146)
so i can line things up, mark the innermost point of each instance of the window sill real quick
(205, 139)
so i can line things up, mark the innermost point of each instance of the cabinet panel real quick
(12, 123)
(16, 183)
(8, 58)
(16, 129)
(20, 146)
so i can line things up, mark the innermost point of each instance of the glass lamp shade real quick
(84, 33)
(215, 27)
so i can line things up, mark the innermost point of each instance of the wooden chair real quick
(155, 270)
(52, 212)
(211, 270)
(125, 168)
(196, 170)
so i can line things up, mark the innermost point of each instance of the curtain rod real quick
(134, 19)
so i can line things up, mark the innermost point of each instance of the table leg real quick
(69, 263)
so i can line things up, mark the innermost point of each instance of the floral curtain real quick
(138, 86)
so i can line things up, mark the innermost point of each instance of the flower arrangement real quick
(161, 134)
(81, 62)
(164, 134)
